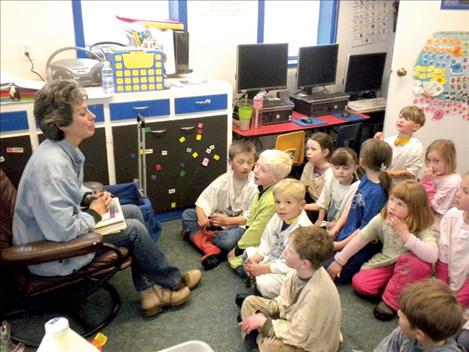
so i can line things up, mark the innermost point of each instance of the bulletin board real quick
(441, 76)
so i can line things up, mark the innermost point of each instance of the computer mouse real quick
(306, 120)
(345, 114)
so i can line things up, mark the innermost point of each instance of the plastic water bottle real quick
(60, 338)
(107, 78)
(258, 105)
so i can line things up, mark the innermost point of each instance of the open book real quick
(113, 221)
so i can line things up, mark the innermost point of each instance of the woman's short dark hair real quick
(53, 106)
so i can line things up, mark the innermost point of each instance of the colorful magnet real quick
(195, 155)
(216, 157)
(153, 177)
(12, 150)
(205, 162)
(173, 205)
(200, 125)
(198, 137)
(157, 167)
(189, 150)
(133, 155)
(148, 151)
(200, 131)
(182, 173)
(182, 139)
(208, 151)
(212, 147)
(164, 152)
(2, 159)
(147, 129)
(171, 191)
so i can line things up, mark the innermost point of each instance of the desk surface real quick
(286, 127)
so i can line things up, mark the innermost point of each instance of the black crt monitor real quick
(364, 73)
(317, 66)
(261, 67)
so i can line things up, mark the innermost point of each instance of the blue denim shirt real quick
(48, 203)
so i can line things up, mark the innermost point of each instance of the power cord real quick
(26, 53)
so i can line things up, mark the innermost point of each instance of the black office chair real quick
(349, 136)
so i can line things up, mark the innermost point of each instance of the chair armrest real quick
(46, 251)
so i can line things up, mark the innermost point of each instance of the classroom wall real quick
(412, 32)
(42, 26)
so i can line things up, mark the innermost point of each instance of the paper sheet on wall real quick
(370, 21)
(167, 43)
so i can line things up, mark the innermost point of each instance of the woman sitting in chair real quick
(51, 196)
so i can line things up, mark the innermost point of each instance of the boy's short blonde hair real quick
(241, 146)
(313, 244)
(413, 113)
(291, 187)
(277, 161)
(430, 306)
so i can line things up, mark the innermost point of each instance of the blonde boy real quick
(306, 316)
(223, 206)
(272, 167)
(407, 151)
(429, 315)
(267, 262)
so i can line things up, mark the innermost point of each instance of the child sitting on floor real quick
(266, 264)
(453, 265)
(306, 316)
(440, 178)
(272, 167)
(409, 248)
(338, 191)
(223, 205)
(428, 317)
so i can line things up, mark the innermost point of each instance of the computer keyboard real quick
(367, 104)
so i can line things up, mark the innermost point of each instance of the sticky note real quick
(195, 155)
(157, 167)
(171, 191)
(205, 162)
(208, 151)
(182, 173)
(173, 205)
(189, 150)
(216, 157)
(147, 129)
(200, 125)
(199, 137)
(164, 152)
(182, 139)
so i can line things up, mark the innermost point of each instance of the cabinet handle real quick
(203, 102)
(158, 132)
(140, 108)
(187, 129)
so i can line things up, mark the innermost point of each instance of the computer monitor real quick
(317, 66)
(364, 73)
(261, 67)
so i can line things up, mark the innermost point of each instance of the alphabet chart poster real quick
(370, 21)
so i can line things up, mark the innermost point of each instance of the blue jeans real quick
(149, 265)
(225, 239)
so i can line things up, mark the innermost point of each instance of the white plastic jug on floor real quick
(60, 338)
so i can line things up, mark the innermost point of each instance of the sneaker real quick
(192, 278)
(210, 261)
(185, 235)
(384, 312)
(240, 297)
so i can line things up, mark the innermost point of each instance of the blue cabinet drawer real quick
(13, 121)
(201, 103)
(98, 110)
(148, 108)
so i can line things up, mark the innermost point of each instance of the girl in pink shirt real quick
(453, 264)
(440, 178)
(409, 248)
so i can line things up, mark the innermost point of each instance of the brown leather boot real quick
(150, 303)
(192, 278)
(171, 298)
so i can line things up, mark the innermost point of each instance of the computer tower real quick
(181, 51)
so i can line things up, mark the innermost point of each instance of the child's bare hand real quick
(398, 226)
(231, 254)
(203, 221)
(428, 173)
(219, 219)
(101, 205)
(334, 270)
(379, 136)
(254, 322)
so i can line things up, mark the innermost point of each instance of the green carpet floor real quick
(210, 315)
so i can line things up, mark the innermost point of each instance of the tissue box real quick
(137, 70)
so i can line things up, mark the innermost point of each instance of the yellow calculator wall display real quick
(137, 70)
